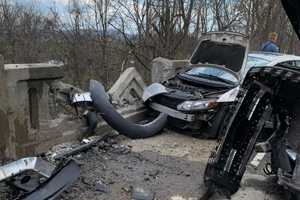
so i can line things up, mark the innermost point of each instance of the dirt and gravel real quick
(169, 166)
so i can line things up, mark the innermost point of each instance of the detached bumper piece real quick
(57, 183)
(26, 175)
(26, 164)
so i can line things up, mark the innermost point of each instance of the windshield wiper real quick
(216, 78)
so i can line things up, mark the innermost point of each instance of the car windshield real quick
(256, 62)
(213, 73)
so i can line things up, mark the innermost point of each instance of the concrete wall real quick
(32, 120)
(5, 139)
(24, 107)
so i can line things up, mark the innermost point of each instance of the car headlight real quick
(197, 105)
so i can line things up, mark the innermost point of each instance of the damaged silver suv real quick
(198, 97)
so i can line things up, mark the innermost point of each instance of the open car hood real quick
(292, 8)
(222, 48)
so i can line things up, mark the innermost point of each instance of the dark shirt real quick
(269, 46)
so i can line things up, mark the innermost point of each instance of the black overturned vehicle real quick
(197, 98)
(269, 96)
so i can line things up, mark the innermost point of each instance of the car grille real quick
(168, 101)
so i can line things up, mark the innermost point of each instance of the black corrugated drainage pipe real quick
(116, 121)
(91, 119)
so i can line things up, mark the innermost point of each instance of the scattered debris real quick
(100, 186)
(27, 182)
(38, 179)
(64, 177)
(182, 198)
(69, 151)
(139, 193)
(121, 149)
(154, 173)
(26, 164)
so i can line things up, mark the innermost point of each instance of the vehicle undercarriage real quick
(268, 95)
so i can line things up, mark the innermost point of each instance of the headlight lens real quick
(197, 105)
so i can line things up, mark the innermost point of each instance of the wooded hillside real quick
(100, 38)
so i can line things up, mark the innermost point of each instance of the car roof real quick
(272, 57)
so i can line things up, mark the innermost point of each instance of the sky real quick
(45, 5)
(42, 2)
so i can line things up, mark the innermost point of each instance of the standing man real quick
(270, 45)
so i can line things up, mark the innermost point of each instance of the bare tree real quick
(99, 38)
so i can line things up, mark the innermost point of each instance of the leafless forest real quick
(100, 38)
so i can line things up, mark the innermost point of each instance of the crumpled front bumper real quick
(188, 117)
(158, 89)
(172, 112)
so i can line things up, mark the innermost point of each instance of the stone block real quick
(21, 72)
(128, 88)
(163, 69)
(24, 104)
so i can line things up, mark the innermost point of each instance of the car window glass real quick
(297, 62)
(212, 71)
(256, 62)
(287, 64)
